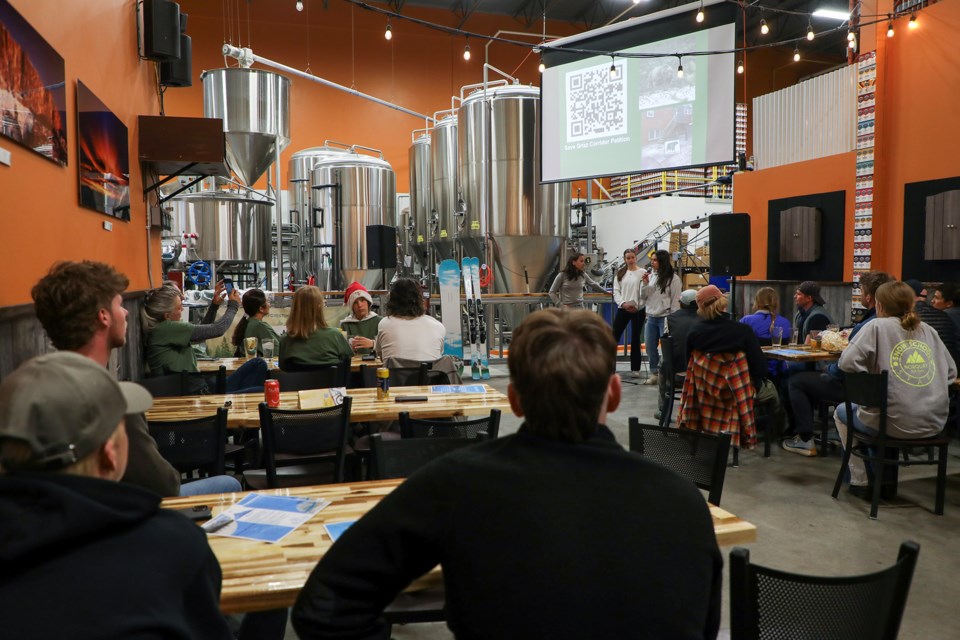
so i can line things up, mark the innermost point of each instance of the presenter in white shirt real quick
(626, 295)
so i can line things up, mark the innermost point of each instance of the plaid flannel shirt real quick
(718, 396)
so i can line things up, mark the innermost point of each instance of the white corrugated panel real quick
(812, 119)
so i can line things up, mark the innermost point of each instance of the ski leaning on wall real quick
(471, 319)
(448, 274)
(480, 318)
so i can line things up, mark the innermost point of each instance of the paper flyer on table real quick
(458, 388)
(264, 517)
(336, 529)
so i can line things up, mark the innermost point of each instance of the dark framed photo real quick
(104, 158)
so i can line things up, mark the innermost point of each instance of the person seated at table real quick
(937, 319)
(309, 341)
(567, 288)
(921, 372)
(169, 340)
(717, 332)
(677, 326)
(362, 323)
(766, 320)
(806, 389)
(86, 556)
(407, 333)
(526, 526)
(80, 306)
(946, 298)
(811, 314)
(252, 325)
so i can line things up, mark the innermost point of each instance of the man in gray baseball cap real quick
(99, 553)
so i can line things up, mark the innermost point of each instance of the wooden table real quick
(260, 575)
(244, 412)
(804, 354)
(232, 364)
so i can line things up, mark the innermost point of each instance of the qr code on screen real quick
(597, 102)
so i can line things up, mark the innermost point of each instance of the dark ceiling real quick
(788, 19)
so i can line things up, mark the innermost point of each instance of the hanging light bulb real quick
(680, 67)
(810, 34)
(613, 67)
(890, 29)
(700, 12)
(853, 43)
(764, 29)
(796, 53)
(466, 52)
(299, 5)
(740, 66)
(388, 34)
(542, 66)
(913, 21)
(850, 36)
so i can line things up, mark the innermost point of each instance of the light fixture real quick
(679, 67)
(388, 34)
(299, 5)
(613, 67)
(700, 12)
(466, 52)
(850, 36)
(853, 43)
(796, 53)
(542, 66)
(835, 14)
(913, 21)
(764, 29)
(890, 29)
(636, 1)
(740, 66)
(810, 34)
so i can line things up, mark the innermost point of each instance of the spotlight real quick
(388, 34)
(890, 29)
(740, 66)
(299, 5)
(764, 29)
(466, 52)
(913, 21)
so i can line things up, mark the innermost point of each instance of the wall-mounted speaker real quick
(177, 73)
(161, 30)
(381, 246)
(730, 244)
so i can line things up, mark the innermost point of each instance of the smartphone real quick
(200, 512)
(228, 285)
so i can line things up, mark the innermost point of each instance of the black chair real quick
(766, 603)
(320, 378)
(340, 379)
(164, 386)
(193, 444)
(400, 458)
(870, 389)
(440, 428)
(696, 455)
(302, 447)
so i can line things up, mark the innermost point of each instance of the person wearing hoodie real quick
(84, 555)
(362, 324)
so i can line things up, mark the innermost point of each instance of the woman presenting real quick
(626, 295)
(660, 293)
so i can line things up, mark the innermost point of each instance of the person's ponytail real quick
(910, 320)
(239, 331)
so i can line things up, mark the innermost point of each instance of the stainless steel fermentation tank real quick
(445, 192)
(352, 191)
(228, 226)
(422, 211)
(512, 221)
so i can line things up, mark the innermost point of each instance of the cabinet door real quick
(787, 244)
(800, 234)
(951, 225)
(809, 234)
(942, 233)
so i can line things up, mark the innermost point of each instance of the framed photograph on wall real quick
(33, 99)
(104, 159)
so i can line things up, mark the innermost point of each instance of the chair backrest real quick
(164, 386)
(197, 382)
(444, 428)
(666, 358)
(293, 365)
(405, 373)
(314, 435)
(696, 455)
(766, 603)
(320, 378)
(400, 458)
(870, 390)
(193, 444)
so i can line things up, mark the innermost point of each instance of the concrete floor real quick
(801, 528)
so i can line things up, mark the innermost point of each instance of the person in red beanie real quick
(362, 323)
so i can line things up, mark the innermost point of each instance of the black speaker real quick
(381, 246)
(161, 30)
(730, 244)
(177, 73)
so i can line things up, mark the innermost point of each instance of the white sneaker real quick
(651, 380)
(635, 374)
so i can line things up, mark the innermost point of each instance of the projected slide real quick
(640, 116)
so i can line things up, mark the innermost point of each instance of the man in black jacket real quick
(554, 532)
(85, 556)
(937, 319)
(678, 325)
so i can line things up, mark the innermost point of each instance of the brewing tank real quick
(525, 222)
(445, 193)
(421, 202)
(255, 108)
(354, 191)
(228, 226)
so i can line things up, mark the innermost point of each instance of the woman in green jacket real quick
(309, 341)
(256, 307)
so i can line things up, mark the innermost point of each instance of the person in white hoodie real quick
(660, 293)
(920, 374)
(630, 311)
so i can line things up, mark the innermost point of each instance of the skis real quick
(481, 319)
(471, 319)
(448, 274)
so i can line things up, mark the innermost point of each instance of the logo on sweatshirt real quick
(912, 362)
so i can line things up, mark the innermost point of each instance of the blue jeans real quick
(859, 472)
(652, 333)
(249, 378)
(213, 484)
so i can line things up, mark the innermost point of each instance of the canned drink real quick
(383, 383)
(271, 393)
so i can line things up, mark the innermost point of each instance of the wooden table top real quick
(260, 575)
(244, 408)
(806, 354)
(232, 364)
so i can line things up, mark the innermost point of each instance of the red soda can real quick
(271, 393)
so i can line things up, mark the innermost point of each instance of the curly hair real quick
(406, 299)
(69, 298)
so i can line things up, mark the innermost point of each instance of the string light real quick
(388, 34)
(679, 67)
(466, 52)
(810, 34)
(299, 5)
(613, 67)
(796, 53)
(853, 43)
(890, 29)
(700, 12)
(764, 29)
(542, 66)
(913, 21)
(740, 66)
(850, 36)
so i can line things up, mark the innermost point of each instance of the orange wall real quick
(40, 218)
(753, 189)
